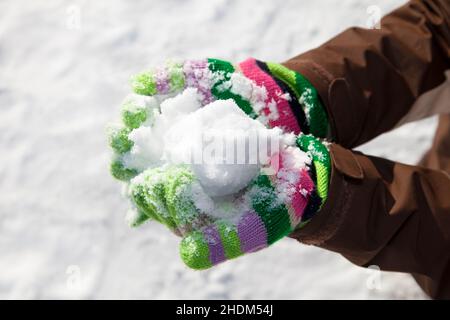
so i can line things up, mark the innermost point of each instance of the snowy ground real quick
(64, 68)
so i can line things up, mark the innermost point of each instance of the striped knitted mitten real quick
(278, 204)
(269, 92)
(270, 208)
(171, 194)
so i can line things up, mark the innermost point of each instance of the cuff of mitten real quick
(327, 221)
(298, 107)
(322, 81)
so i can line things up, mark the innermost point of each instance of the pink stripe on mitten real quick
(295, 183)
(285, 117)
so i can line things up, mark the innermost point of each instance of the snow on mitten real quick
(297, 102)
(166, 194)
(278, 204)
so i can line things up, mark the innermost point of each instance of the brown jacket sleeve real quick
(369, 79)
(388, 214)
(380, 212)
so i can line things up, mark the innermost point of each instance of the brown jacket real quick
(380, 212)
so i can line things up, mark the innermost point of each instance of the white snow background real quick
(64, 69)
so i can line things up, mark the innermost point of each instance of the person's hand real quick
(270, 208)
(267, 92)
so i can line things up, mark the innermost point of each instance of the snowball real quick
(223, 146)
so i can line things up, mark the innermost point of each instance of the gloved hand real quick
(288, 100)
(270, 208)
(267, 92)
